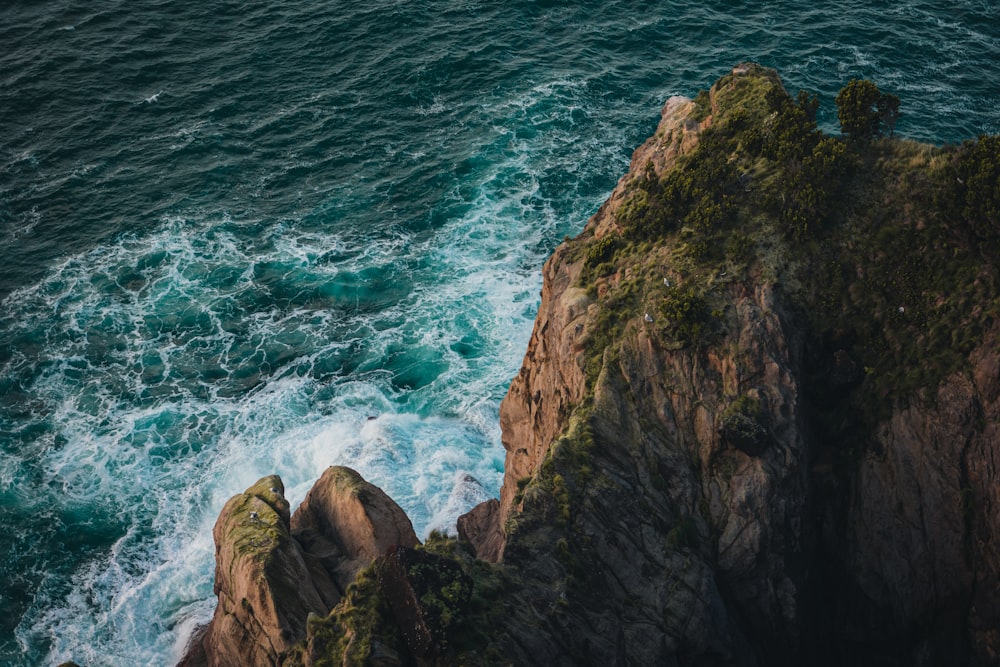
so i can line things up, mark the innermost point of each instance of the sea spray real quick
(267, 238)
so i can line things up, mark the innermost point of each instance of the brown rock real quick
(551, 381)
(264, 586)
(273, 570)
(346, 523)
(480, 529)
(677, 547)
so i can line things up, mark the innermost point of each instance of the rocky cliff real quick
(275, 570)
(757, 423)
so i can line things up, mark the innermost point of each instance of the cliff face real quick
(809, 527)
(734, 497)
(757, 423)
(654, 538)
(552, 382)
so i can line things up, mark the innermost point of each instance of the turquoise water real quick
(246, 238)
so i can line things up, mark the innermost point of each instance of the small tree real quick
(865, 112)
(856, 109)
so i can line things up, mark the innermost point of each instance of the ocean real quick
(244, 238)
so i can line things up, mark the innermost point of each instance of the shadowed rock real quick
(480, 529)
(427, 594)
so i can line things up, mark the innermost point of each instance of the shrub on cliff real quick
(686, 314)
(865, 112)
(698, 197)
(742, 425)
(978, 185)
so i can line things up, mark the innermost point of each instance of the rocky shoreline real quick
(700, 469)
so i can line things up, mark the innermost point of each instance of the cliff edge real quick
(757, 423)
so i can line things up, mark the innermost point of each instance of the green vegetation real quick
(865, 112)
(882, 245)
(441, 588)
(457, 594)
(469, 630)
(346, 635)
(742, 425)
(599, 256)
(619, 306)
(686, 314)
(703, 106)
(561, 485)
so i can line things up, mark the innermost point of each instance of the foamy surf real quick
(326, 248)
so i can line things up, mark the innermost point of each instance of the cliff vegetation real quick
(757, 422)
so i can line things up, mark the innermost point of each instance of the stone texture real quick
(346, 523)
(480, 529)
(264, 587)
(274, 570)
(680, 547)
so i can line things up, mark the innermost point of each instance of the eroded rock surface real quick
(347, 523)
(264, 586)
(699, 504)
(274, 570)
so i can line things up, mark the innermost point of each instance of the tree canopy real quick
(865, 112)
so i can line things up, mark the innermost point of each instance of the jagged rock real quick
(730, 529)
(550, 382)
(274, 570)
(264, 586)
(346, 523)
(480, 529)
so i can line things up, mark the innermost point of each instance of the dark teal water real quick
(233, 233)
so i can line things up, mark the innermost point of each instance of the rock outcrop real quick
(757, 423)
(274, 570)
(346, 523)
(716, 502)
(480, 529)
(264, 587)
